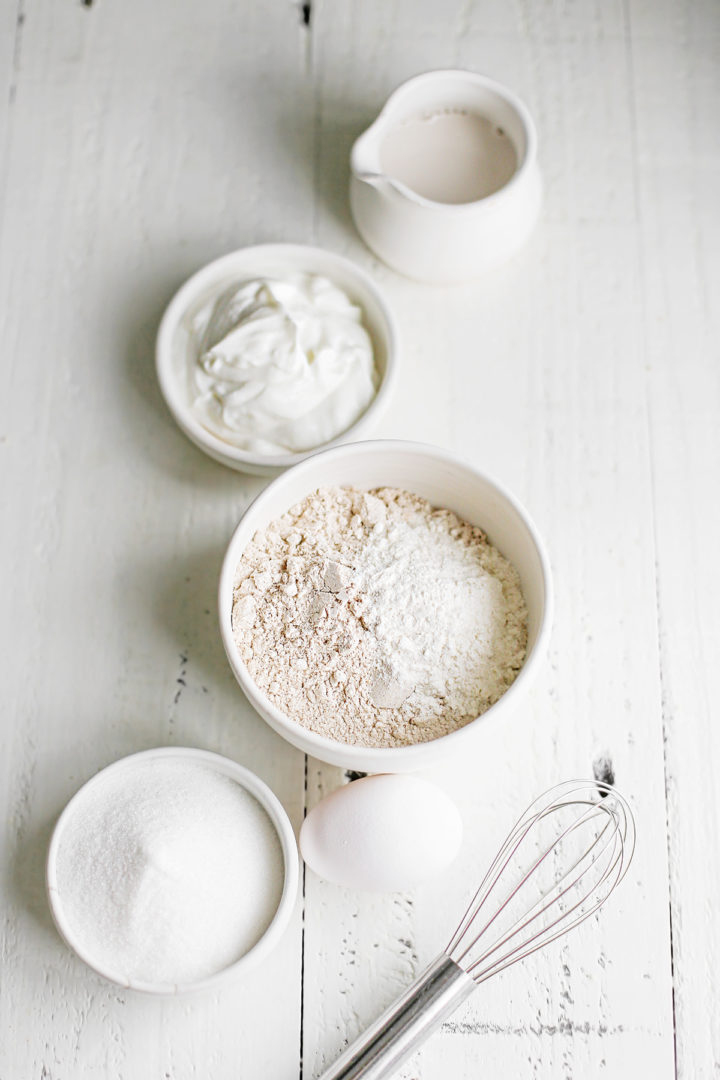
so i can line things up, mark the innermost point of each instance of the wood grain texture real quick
(142, 141)
(122, 180)
(677, 87)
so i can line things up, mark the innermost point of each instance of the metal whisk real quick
(559, 864)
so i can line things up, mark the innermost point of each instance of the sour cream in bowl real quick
(272, 352)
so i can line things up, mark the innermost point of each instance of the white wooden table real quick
(142, 140)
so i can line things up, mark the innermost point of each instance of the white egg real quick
(383, 833)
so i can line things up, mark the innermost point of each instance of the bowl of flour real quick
(380, 600)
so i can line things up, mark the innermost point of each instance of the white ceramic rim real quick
(417, 755)
(275, 811)
(510, 98)
(216, 447)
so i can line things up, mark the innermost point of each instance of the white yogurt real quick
(282, 365)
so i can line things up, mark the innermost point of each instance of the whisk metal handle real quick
(405, 1025)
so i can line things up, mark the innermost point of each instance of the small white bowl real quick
(264, 796)
(176, 345)
(445, 480)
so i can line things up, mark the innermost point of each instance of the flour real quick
(376, 620)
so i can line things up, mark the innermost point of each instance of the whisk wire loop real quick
(571, 897)
(548, 801)
(541, 906)
(513, 850)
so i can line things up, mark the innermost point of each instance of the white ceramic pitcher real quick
(443, 242)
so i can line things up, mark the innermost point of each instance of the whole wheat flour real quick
(374, 619)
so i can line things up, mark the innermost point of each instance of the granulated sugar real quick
(376, 620)
(168, 871)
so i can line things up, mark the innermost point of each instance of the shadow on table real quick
(325, 171)
(182, 595)
(27, 875)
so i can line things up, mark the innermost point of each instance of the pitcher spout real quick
(365, 153)
(377, 180)
(365, 163)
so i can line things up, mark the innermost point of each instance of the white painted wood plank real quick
(139, 152)
(537, 375)
(677, 83)
(12, 18)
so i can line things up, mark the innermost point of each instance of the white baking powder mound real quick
(168, 872)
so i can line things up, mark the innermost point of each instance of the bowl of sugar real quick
(381, 601)
(172, 870)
